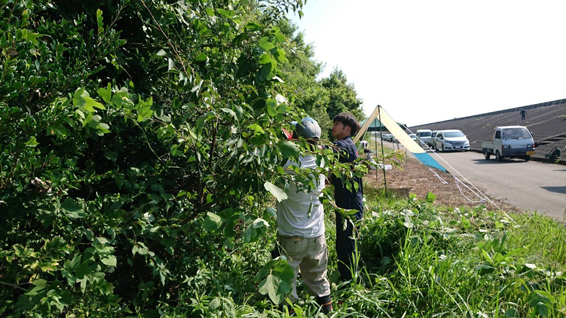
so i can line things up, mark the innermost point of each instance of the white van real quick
(423, 136)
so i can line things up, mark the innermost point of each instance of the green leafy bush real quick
(125, 126)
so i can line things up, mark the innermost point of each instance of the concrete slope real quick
(546, 121)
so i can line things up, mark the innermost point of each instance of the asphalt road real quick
(530, 186)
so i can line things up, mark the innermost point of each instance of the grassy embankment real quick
(420, 260)
(424, 260)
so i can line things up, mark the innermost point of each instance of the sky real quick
(428, 61)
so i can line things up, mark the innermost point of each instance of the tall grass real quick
(451, 262)
(419, 260)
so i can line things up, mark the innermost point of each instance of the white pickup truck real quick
(509, 142)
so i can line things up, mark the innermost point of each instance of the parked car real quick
(431, 142)
(452, 139)
(511, 142)
(423, 136)
(393, 138)
(414, 137)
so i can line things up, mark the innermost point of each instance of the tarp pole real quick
(382, 153)
(376, 156)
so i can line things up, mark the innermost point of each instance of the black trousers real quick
(346, 245)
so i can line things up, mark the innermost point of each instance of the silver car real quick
(414, 137)
(387, 137)
(432, 141)
(452, 139)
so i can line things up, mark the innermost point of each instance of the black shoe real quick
(326, 308)
(325, 303)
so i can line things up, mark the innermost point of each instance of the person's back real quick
(346, 198)
(291, 217)
(345, 126)
(300, 221)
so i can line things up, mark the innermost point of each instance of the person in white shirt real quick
(300, 224)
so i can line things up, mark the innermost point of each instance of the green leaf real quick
(284, 270)
(109, 261)
(256, 128)
(257, 140)
(270, 286)
(106, 93)
(239, 111)
(99, 22)
(288, 149)
(72, 209)
(214, 304)
(72, 265)
(229, 228)
(225, 13)
(264, 58)
(103, 127)
(275, 287)
(271, 212)
(430, 197)
(282, 109)
(202, 120)
(40, 285)
(465, 223)
(32, 142)
(140, 248)
(542, 302)
(202, 57)
(259, 223)
(272, 107)
(252, 26)
(266, 285)
(250, 234)
(265, 44)
(90, 103)
(144, 109)
(212, 222)
(83, 270)
(277, 192)
(265, 72)
(175, 151)
(161, 53)
(230, 112)
(280, 56)
(82, 99)
(32, 37)
(265, 270)
(102, 240)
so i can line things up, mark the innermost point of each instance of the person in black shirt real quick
(346, 126)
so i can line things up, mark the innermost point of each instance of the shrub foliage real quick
(127, 129)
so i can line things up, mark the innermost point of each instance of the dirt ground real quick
(418, 179)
